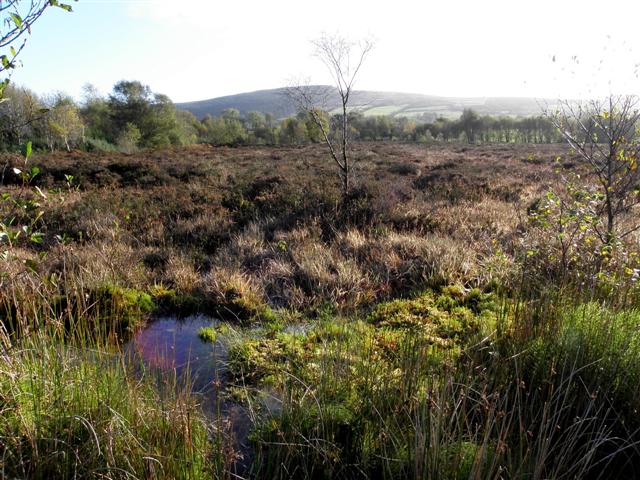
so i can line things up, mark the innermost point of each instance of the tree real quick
(343, 58)
(187, 131)
(129, 138)
(293, 131)
(160, 127)
(469, 124)
(63, 122)
(224, 130)
(314, 132)
(130, 103)
(95, 114)
(19, 112)
(256, 124)
(154, 115)
(605, 136)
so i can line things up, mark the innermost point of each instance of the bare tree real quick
(604, 134)
(343, 58)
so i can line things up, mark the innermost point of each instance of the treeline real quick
(132, 117)
(257, 128)
(474, 128)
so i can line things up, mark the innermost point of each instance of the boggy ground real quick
(269, 222)
(448, 328)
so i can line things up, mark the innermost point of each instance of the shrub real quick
(99, 145)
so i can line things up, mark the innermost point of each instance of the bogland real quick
(456, 315)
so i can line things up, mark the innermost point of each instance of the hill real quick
(275, 101)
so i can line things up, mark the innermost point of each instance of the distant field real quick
(385, 110)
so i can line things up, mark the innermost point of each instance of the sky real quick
(200, 49)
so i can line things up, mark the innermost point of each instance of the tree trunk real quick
(345, 153)
(610, 219)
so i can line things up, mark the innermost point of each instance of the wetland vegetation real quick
(212, 311)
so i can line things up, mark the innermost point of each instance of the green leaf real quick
(17, 20)
(36, 238)
(64, 6)
(13, 51)
(28, 150)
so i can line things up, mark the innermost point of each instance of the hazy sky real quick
(198, 49)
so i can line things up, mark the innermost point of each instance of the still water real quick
(169, 348)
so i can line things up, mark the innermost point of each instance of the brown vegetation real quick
(273, 220)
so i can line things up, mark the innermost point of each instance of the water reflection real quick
(170, 346)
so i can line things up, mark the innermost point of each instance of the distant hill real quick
(369, 103)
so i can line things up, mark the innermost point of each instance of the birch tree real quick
(343, 59)
(604, 134)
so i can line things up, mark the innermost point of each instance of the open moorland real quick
(456, 316)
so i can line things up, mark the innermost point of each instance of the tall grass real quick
(71, 412)
(72, 403)
(515, 404)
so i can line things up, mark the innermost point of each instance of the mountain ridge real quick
(370, 102)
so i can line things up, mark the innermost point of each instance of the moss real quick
(179, 302)
(253, 359)
(346, 380)
(124, 306)
(208, 334)
(274, 325)
(455, 292)
(447, 318)
(478, 301)
(236, 301)
(331, 376)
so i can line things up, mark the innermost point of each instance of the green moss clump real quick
(208, 334)
(347, 380)
(342, 381)
(446, 319)
(478, 301)
(254, 359)
(237, 302)
(178, 302)
(124, 306)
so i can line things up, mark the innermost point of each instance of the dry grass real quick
(179, 217)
